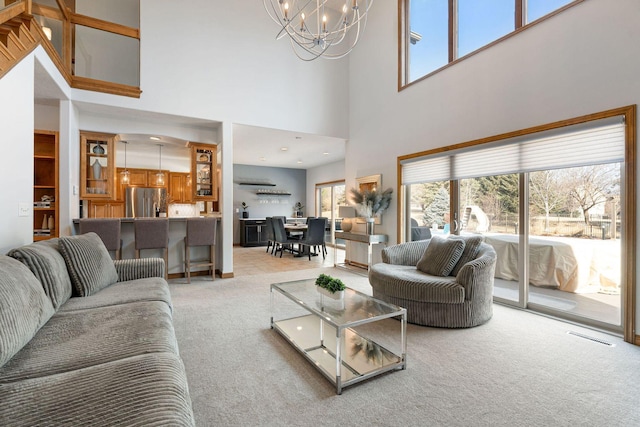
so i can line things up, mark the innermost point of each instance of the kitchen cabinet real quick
(109, 209)
(253, 232)
(45, 184)
(139, 178)
(204, 172)
(97, 172)
(180, 187)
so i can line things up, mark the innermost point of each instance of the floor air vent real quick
(587, 337)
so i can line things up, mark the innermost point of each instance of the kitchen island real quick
(177, 233)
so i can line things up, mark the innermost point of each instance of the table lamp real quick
(346, 213)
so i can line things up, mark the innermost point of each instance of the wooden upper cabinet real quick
(204, 162)
(139, 178)
(97, 171)
(180, 187)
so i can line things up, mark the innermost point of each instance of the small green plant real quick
(330, 284)
(244, 206)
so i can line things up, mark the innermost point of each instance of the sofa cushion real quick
(145, 390)
(24, 307)
(147, 289)
(75, 340)
(89, 263)
(441, 256)
(408, 283)
(471, 249)
(46, 263)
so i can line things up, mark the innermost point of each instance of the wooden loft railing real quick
(20, 33)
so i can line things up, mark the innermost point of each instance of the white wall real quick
(16, 155)
(216, 59)
(578, 62)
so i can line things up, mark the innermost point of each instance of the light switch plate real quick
(24, 209)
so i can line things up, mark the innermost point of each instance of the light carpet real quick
(519, 369)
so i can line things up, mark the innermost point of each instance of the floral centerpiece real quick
(370, 204)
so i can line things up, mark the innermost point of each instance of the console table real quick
(367, 239)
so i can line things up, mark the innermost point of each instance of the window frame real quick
(404, 30)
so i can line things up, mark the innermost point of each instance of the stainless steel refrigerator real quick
(142, 202)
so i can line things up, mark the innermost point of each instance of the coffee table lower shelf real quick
(360, 358)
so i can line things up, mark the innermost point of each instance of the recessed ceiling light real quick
(325, 153)
(154, 138)
(299, 161)
(263, 159)
(284, 148)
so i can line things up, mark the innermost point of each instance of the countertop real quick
(171, 219)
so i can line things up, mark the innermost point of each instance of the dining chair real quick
(315, 236)
(282, 242)
(271, 241)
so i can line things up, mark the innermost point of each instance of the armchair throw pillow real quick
(89, 263)
(441, 256)
(471, 249)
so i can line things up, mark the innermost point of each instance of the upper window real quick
(437, 32)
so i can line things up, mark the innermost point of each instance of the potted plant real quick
(370, 204)
(297, 208)
(329, 286)
(245, 214)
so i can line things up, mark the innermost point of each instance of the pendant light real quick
(160, 174)
(124, 175)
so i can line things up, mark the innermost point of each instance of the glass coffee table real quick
(348, 340)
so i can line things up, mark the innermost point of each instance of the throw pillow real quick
(89, 263)
(24, 307)
(471, 249)
(46, 263)
(441, 256)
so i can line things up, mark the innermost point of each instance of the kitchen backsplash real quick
(183, 210)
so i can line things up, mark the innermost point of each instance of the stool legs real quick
(211, 264)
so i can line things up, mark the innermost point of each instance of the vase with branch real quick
(371, 204)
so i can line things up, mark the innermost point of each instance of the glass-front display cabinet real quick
(204, 162)
(97, 157)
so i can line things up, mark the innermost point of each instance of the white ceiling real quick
(259, 146)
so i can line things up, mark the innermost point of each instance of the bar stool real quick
(200, 232)
(108, 229)
(152, 233)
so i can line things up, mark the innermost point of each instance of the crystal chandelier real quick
(327, 28)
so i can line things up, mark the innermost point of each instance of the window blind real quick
(596, 142)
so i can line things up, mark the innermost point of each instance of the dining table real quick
(298, 230)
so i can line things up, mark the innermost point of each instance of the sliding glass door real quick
(551, 201)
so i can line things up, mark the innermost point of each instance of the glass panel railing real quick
(102, 55)
(52, 29)
(123, 12)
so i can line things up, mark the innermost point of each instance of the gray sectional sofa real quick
(439, 284)
(85, 340)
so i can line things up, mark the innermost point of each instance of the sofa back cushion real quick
(471, 249)
(441, 256)
(89, 263)
(46, 263)
(24, 307)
